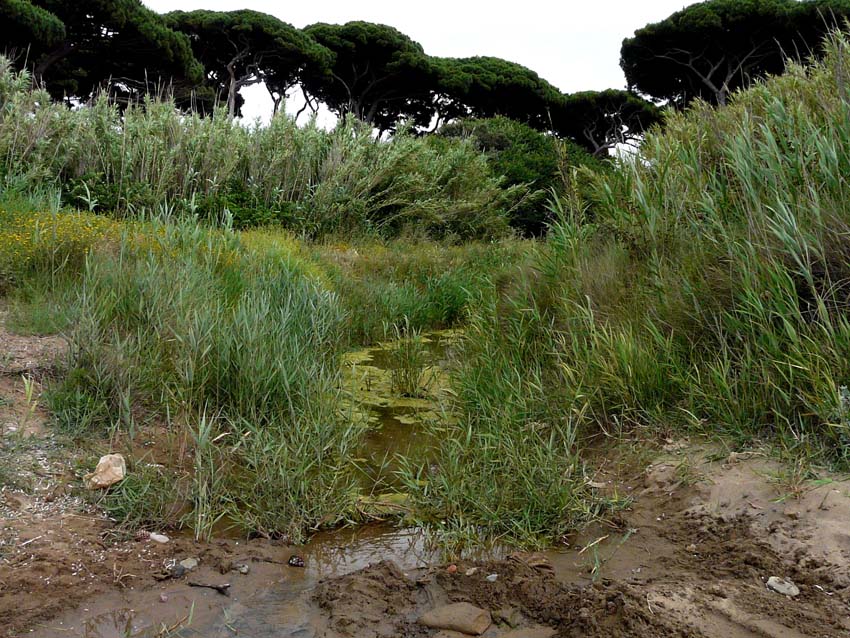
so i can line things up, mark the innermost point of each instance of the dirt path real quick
(691, 557)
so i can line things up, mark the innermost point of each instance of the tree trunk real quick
(231, 91)
(50, 59)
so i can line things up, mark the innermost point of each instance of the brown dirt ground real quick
(689, 557)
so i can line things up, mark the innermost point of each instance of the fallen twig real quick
(224, 589)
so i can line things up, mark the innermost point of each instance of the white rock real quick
(491, 578)
(110, 469)
(158, 538)
(189, 564)
(782, 586)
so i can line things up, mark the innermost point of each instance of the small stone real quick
(452, 569)
(189, 564)
(692, 549)
(782, 586)
(471, 571)
(462, 617)
(110, 469)
(177, 571)
(243, 569)
(717, 590)
(158, 538)
(508, 615)
(295, 561)
(163, 598)
(491, 578)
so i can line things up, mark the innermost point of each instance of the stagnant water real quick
(272, 600)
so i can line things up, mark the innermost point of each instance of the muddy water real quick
(271, 600)
(397, 426)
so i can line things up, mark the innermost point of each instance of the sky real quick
(573, 44)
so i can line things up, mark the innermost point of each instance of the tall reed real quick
(151, 157)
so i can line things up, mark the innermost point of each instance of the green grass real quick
(40, 306)
(702, 287)
(185, 327)
(425, 285)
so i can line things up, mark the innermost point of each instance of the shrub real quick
(709, 287)
(523, 156)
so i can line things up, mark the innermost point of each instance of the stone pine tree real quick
(710, 49)
(600, 120)
(75, 48)
(488, 87)
(241, 48)
(377, 74)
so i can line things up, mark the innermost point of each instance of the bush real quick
(709, 290)
(234, 349)
(523, 156)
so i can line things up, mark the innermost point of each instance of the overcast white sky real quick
(573, 44)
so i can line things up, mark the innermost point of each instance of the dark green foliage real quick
(241, 48)
(522, 156)
(487, 86)
(22, 22)
(599, 120)
(378, 74)
(713, 48)
(78, 47)
(244, 207)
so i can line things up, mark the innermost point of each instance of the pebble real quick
(163, 598)
(189, 564)
(177, 571)
(158, 538)
(782, 586)
(717, 590)
(462, 617)
(243, 569)
(508, 615)
(451, 569)
(471, 571)
(491, 578)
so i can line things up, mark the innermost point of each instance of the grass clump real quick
(507, 468)
(703, 284)
(410, 375)
(425, 285)
(232, 348)
(699, 286)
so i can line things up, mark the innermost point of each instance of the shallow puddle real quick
(270, 601)
(398, 424)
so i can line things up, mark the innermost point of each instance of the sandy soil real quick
(691, 557)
